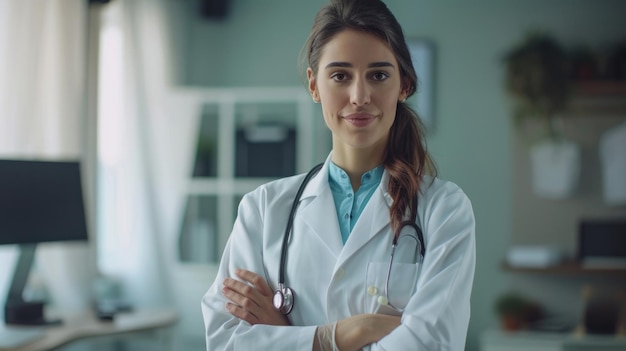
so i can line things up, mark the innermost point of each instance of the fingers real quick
(242, 313)
(243, 295)
(255, 280)
(248, 300)
(256, 289)
(251, 300)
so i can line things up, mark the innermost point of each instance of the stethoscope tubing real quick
(292, 214)
(419, 239)
(284, 297)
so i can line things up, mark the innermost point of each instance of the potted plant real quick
(536, 79)
(537, 82)
(516, 312)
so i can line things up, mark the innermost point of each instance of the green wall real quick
(258, 45)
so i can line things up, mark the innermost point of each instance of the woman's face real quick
(358, 83)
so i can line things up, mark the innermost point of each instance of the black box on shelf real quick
(602, 243)
(265, 151)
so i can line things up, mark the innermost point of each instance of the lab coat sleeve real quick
(244, 250)
(437, 315)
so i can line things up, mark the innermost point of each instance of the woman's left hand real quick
(252, 303)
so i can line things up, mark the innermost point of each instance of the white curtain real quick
(42, 115)
(141, 149)
(144, 145)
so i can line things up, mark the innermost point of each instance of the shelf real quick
(598, 99)
(600, 88)
(566, 268)
(244, 137)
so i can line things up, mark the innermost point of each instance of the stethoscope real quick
(284, 297)
(419, 239)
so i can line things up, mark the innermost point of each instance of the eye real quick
(339, 76)
(380, 76)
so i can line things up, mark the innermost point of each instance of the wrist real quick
(354, 333)
(367, 329)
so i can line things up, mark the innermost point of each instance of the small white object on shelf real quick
(533, 256)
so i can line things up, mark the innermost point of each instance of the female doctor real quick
(357, 273)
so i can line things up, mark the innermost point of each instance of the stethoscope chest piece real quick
(283, 299)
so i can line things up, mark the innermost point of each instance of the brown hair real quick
(406, 158)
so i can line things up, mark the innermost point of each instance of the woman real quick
(349, 293)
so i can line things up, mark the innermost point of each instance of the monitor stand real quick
(16, 310)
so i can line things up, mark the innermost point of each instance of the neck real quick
(357, 162)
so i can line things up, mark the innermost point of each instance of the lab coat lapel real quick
(317, 211)
(374, 220)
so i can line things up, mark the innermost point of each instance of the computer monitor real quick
(40, 201)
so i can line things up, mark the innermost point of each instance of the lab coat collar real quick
(372, 222)
(384, 189)
(317, 209)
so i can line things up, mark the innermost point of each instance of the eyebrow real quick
(371, 65)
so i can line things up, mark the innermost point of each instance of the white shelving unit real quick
(213, 193)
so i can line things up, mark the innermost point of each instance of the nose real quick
(360, 93)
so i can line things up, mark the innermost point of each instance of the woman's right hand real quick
(251, 301)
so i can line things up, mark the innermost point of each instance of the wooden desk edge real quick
(85, 325)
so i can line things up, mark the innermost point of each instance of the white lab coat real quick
(331, 280)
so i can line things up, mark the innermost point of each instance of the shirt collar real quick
(340, 177)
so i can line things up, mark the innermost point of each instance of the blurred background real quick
(176, 108)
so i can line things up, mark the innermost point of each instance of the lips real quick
(359, 119)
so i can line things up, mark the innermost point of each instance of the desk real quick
(85, 325)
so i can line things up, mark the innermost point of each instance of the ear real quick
(404, 90)
(312, 85)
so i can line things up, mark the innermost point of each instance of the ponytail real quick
(407, 161)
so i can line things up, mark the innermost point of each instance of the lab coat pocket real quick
(402, 283)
